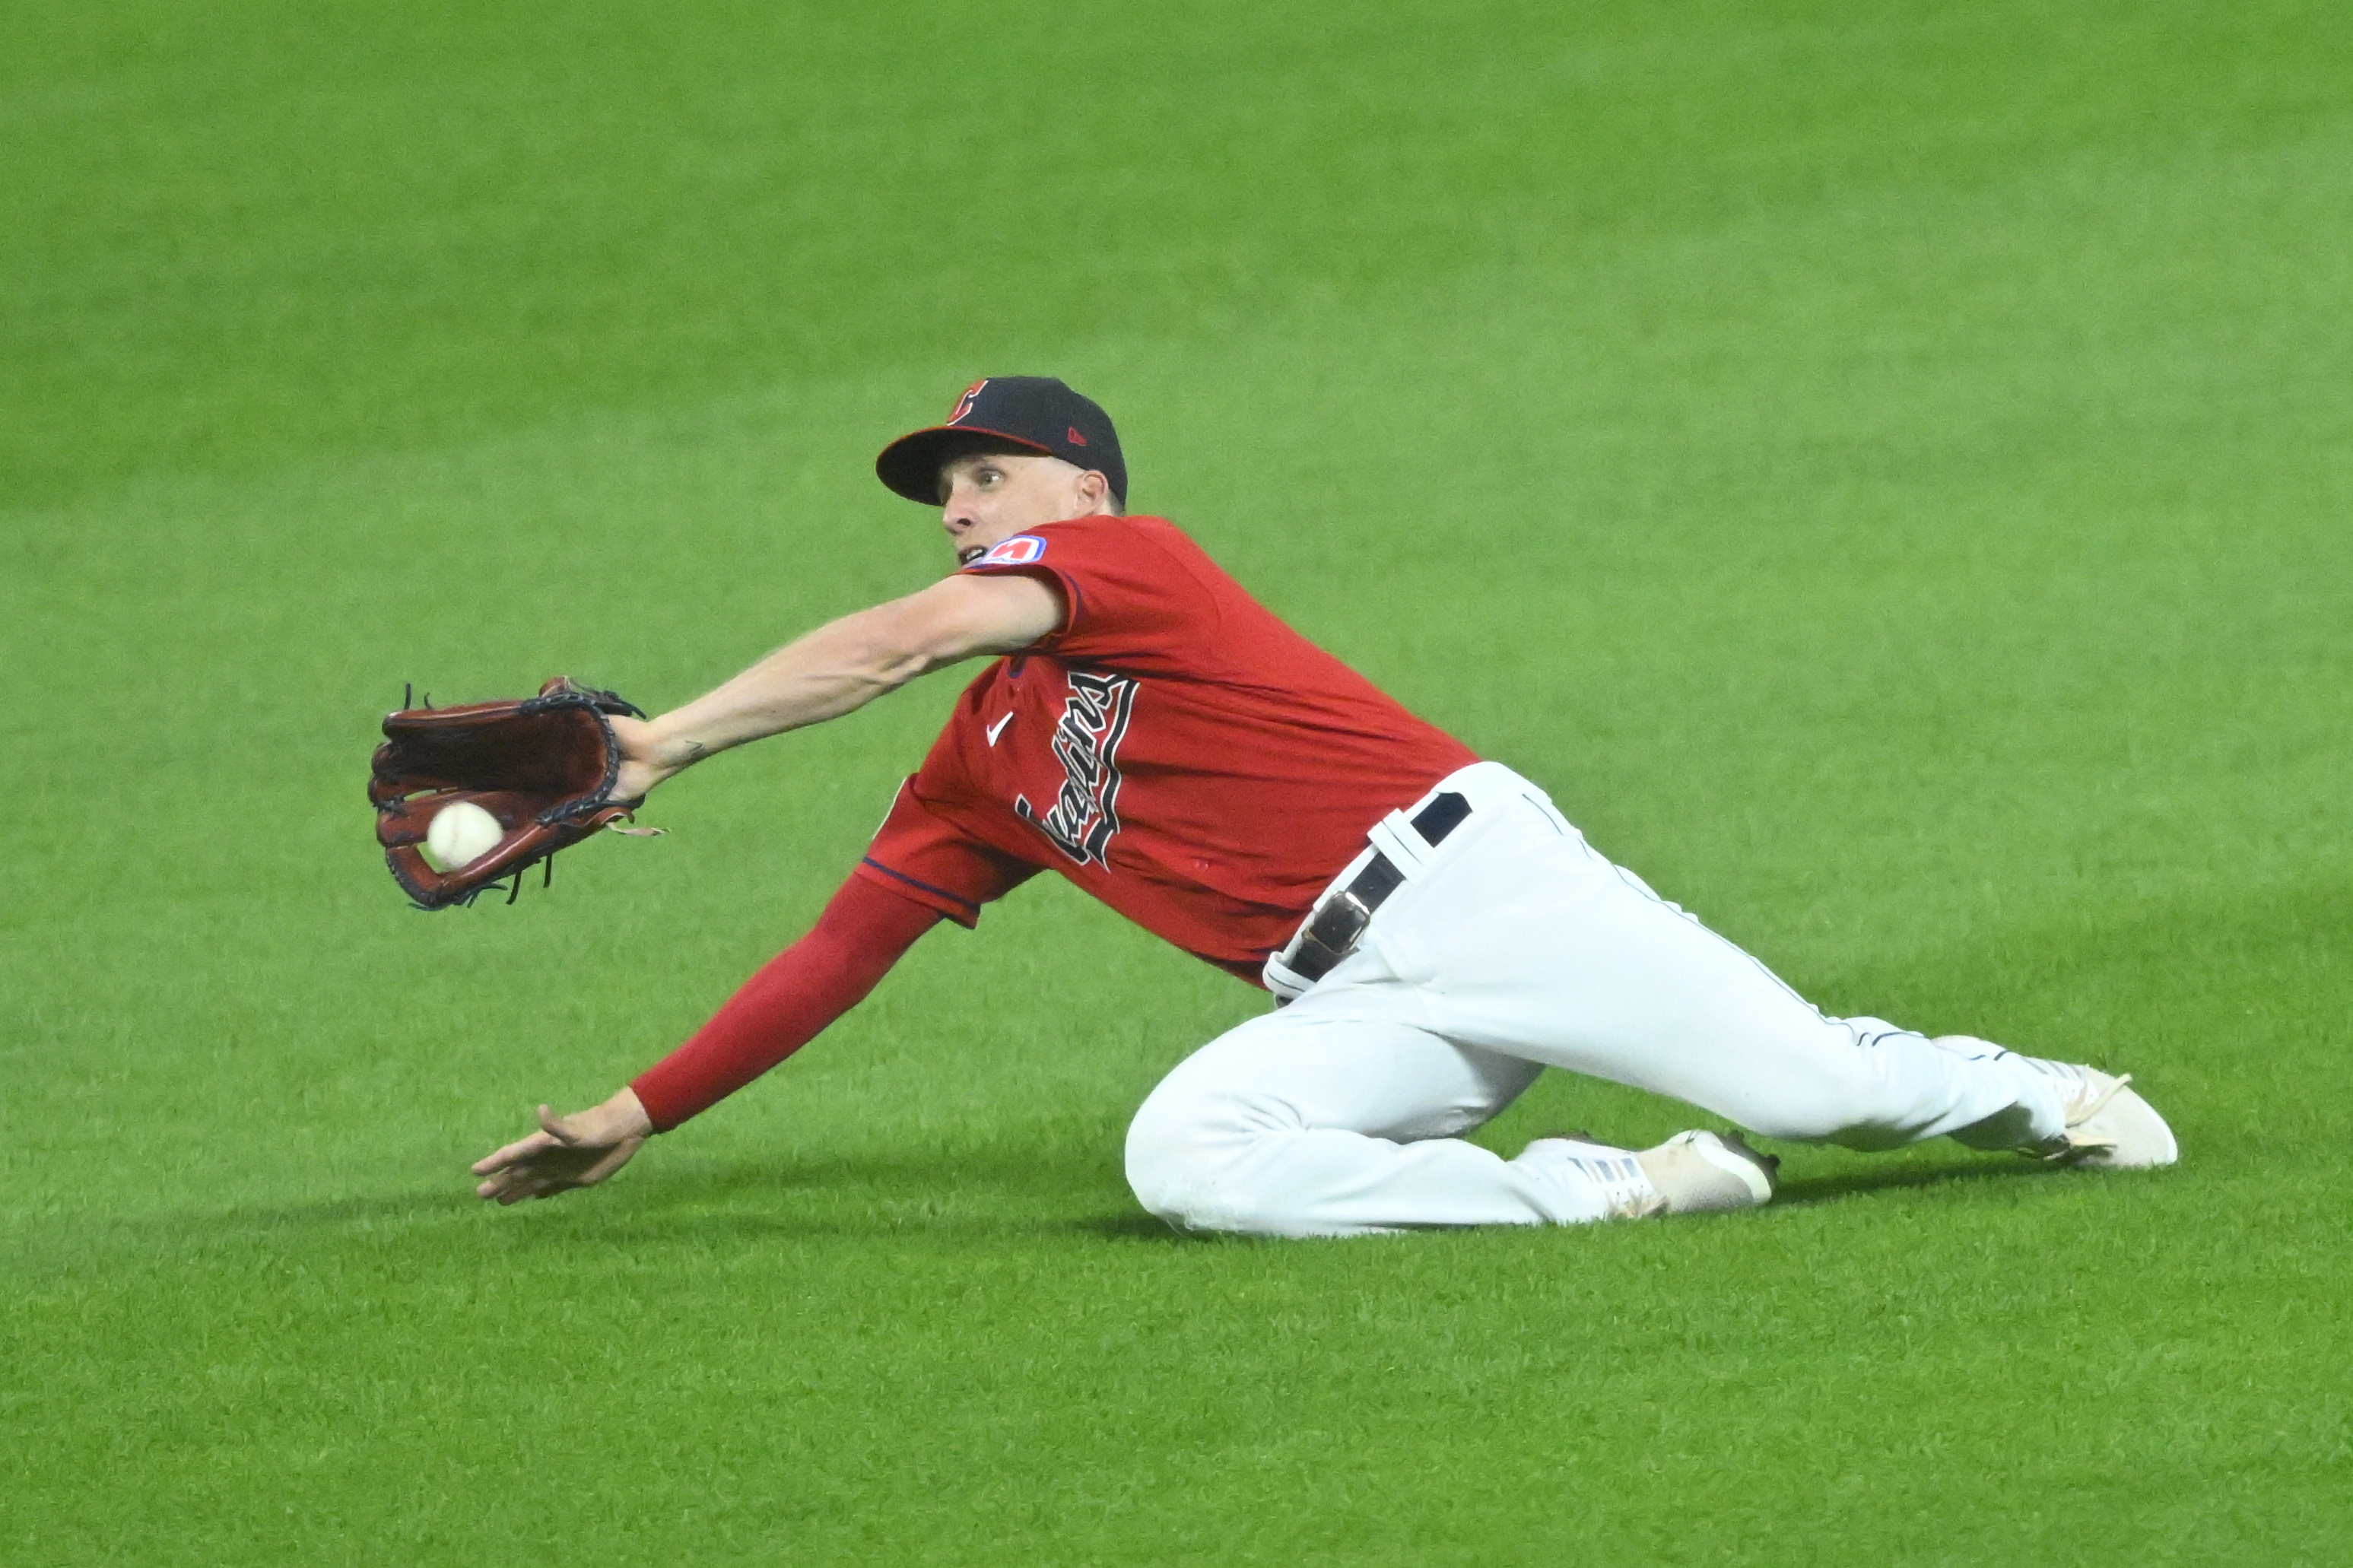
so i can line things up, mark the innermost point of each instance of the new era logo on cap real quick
(1020, 413)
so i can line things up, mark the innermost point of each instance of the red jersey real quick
(1175, 749)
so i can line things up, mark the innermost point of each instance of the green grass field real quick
(1887, 468)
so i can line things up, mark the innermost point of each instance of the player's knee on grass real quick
(1169, 1168)
(1217, 1202)
(1205, 1205)
(1187, 1164)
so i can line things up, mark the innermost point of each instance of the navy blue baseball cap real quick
(1028, 413)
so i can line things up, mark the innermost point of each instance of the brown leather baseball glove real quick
(543, 766)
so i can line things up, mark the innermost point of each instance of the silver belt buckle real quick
(1363, 919)
(1346, 900)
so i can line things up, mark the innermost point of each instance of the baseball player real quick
(1435, 935)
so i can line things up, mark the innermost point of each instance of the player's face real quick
(987, 497)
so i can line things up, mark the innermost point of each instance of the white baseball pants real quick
(1511, 947)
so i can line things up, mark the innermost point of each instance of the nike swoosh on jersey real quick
(998, 727)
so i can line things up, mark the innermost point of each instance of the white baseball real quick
(461, 834)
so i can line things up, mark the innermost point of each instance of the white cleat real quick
(1701, 1173)
(1690, 1173)
(2109, 1127)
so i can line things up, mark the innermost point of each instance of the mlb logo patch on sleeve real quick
(1018, 551)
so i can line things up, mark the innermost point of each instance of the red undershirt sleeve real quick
(865, 930)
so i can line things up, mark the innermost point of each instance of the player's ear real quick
(1094, 490)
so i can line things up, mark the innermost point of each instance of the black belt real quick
(1334, 931)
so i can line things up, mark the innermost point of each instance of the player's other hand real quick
(567, 1151)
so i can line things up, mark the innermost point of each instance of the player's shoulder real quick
(1102, 528)
(1131, 583)
(1120, 544)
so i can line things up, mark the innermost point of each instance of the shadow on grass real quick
(962, 1197)
(1860, 1181)
(990, 1192)
(1004, 1193)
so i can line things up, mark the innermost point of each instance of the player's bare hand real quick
(567, 1151)
(652, 753)
(642, 766)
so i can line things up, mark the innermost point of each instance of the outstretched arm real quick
(864, 930)
(841, 667)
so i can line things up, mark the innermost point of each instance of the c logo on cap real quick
(963, 403)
